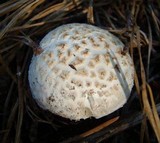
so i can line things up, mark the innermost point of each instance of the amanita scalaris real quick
(81, 73)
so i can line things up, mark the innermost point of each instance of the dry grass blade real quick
(145, 100)
(137, 85)
(63, 6)
(136, 22)
(28, 41)
(90, 16)
(25, 9)
(6, 105)
(100, 127)
(149, 46)
(108, 17)
(7, 69)
(48, 11)
(33, 7)
(155, 20)
(8, 3)
(26, 26)
(143, 129)
(8, 48)
(136, 81)
(20, 106)
(10, 6)
(120, 13)
(10, 121)
(38, 119)
(155, 114)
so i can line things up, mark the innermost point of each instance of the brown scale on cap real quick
(94, 43)
(71, 96)
(124, 63)
(92, 40)
(74, 38)
(112, 76)
(96, 46)
(55, 70)
(106, 45)
(115, 87)
(65, 34)
(101, 73)
(88, 83)
(69, 53)
(63, 60)
(76, 32)
(97, 84)
(77, 83)
(84, 42)
(77, 47)
(64, 75)
(62, 46)
(107, 59)
(92, 74)
(82, 72)
(91, 64)
(90, 92)
(51, 99)
(50, 64)
(59, 54)
(101, 38)
(85, 52)
(77, 61)
(97, 58)
(51, 55)
(47, 55)
(100, 93)
(70, 87)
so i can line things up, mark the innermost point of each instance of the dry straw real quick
(24, 22)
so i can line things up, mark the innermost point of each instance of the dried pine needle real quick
(135, 22)
(147, 107)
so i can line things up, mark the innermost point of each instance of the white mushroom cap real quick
(81, 73)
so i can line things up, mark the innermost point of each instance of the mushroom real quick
(82, 72)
